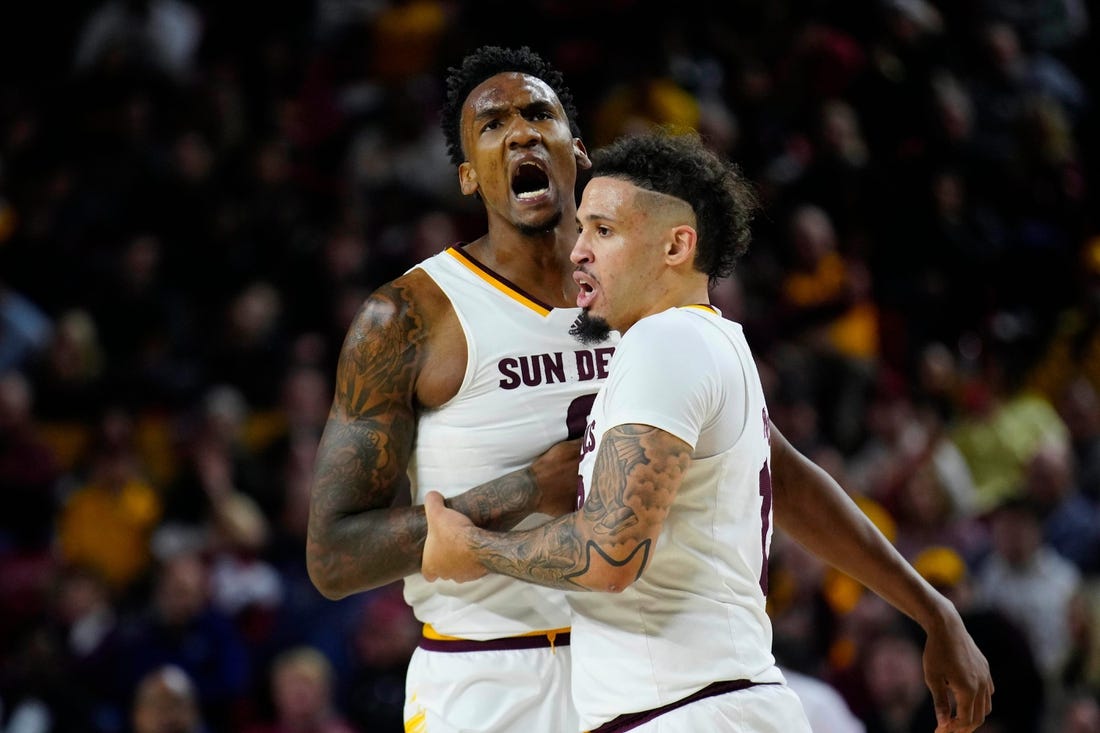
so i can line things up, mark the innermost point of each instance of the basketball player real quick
(461, 371)
(680, 465)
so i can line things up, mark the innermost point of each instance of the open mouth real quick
(586, 293)
(529, 182)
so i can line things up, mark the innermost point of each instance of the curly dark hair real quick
(489, 61)
(681, 165)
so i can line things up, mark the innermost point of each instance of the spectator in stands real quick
(107, 521)
(166, 701)
(302, 691)
(1030, 583)
(181, 627)
(1020, 686)
(1071, 521)
(1078, 405)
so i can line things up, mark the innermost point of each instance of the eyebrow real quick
(595, 217)
(496, 109)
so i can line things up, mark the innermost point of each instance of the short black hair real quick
(486, 62)
(681, 165)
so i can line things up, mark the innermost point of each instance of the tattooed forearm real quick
(606, 545)
(499, 504)
(355, 539)
(547, 555)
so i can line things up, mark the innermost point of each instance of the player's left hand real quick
(447, 554)
(957, 674)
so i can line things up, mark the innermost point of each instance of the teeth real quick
(531, 194)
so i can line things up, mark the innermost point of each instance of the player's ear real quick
(581, 154)
(467, 179)
(680, 246)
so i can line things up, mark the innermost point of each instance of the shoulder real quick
(672, 333)
(411, 303)
(671, 348)
(407, 337)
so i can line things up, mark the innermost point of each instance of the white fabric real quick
(512, 691)
(523, 373)
(697, 615)
(762, 709)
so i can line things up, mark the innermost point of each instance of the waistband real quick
(432, 641)
(630, 721)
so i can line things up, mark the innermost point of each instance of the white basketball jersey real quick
(697, 614)
(528, 385)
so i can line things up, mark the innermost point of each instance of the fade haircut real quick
(486, 62)
(680, 165)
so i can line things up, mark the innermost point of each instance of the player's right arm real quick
(355, 538)
(403, 351)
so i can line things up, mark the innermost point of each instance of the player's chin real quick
(590, 328)
(532, 223)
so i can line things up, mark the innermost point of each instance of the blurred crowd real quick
(196, 196)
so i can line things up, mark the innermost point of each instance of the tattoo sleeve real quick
(357, 538)
(499, 504)
(607, 544)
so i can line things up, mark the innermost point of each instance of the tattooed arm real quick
(357, 538)
(603, 547)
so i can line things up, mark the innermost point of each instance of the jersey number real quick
(576, 417)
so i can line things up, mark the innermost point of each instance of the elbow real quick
(614, 580)
(329, 590)
(609, 571)
(322, 575)
(615, 588)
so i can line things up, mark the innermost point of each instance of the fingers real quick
(971, 709)
(433, 502)
(982, 706)
(942, 702)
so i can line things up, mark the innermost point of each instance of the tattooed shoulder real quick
(383, 350)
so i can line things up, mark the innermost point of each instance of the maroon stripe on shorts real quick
(630, 721)
(492, 645)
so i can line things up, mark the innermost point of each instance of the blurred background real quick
(195, 197)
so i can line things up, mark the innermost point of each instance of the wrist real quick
(938, 615)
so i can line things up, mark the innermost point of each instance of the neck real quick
(539, 264)
(677, 294)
